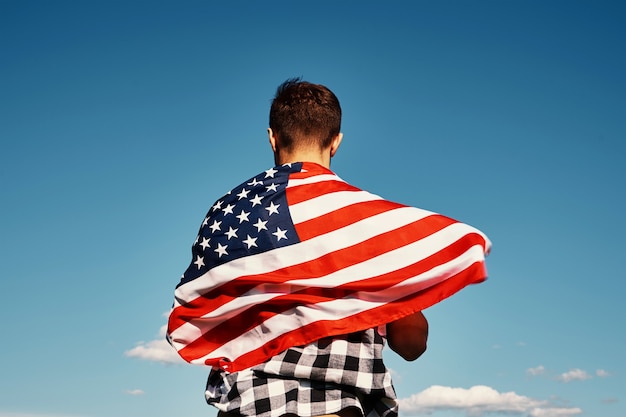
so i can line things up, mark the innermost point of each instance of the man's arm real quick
(407, 336)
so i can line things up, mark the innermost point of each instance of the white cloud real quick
(573, 375)
(155, 350)
(539, 370)
(134, 392)
(479, 400)
(554, 412)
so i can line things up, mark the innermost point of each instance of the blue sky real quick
(122, 122)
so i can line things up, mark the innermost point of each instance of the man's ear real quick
(334, 145)
(272, 138)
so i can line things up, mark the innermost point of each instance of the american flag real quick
(296, 254)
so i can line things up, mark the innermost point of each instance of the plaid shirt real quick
(323, 377)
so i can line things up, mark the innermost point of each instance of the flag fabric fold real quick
(296, 254)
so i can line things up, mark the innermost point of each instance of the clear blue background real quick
(121, 123)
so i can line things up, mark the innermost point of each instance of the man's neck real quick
(303, 155)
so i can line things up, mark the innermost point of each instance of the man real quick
(294, 321)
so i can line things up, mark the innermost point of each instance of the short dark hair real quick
(306, 114)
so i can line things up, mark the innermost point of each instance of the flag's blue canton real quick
(250, 219)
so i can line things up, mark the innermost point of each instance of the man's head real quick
(304, 116)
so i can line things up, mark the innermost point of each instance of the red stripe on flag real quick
(309, 170)
(299, 193)
(342, 217)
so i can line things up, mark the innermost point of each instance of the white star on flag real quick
(243, 194)
(199, 261)
(256, 200)
(217, 205)
(243, 216)
(231, 232)
(280, 234)
(215, 226)
(270, 173)
(272, 208)
(250, 241)
(205, 243)
(228, 209)
(260, 225)
(221, 250)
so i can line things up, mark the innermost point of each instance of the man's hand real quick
(407, 336)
